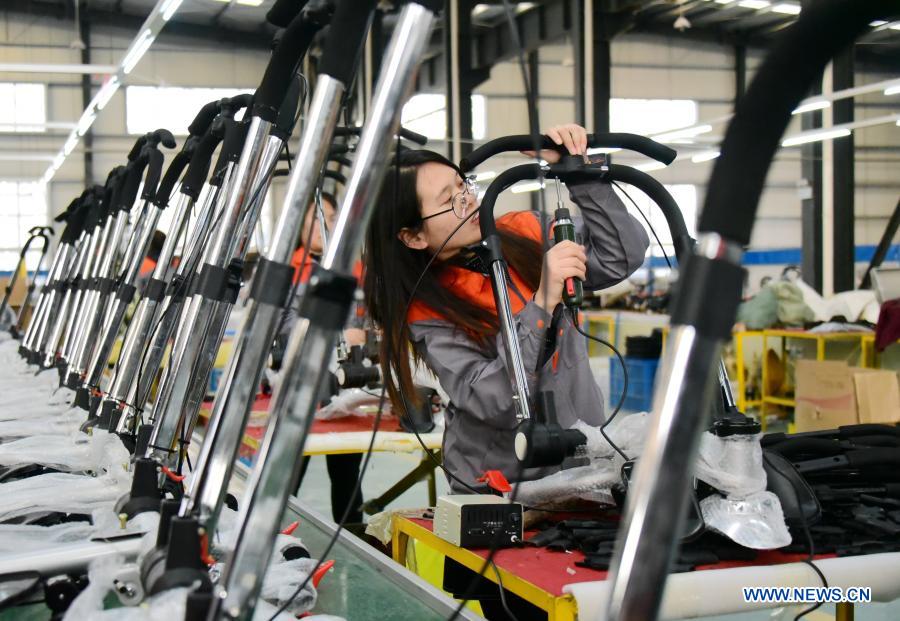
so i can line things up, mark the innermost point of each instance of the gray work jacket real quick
(480, 419)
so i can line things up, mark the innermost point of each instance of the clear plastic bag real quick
(61, 492)
(733, 464)
(627, 431)
(281, 582)
(351, 402)
(66, 423)
(69, 453)
(592, 483)
(755, 521)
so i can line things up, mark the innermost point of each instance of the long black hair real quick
(392, 269)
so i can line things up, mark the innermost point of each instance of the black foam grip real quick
(231, 105)
(283, 11)
(154, 290)
(272, 283)
(763, 113)
(713, 319)
(657, 193)
(129, 190)
(200, 163)
(345, 37)
(173, 172)
(233, 143)
(204, 118)
(287, 113)
(161, 136)
(525, 142)
(136, 148)
(500, 183)
(155, 160)
(295, 41)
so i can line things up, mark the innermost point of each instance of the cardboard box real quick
(831, 393)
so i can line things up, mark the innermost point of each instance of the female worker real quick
(452, 322)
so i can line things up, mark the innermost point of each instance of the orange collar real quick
(476, 287)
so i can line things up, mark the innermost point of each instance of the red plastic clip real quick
(291, 528)
(323, 569)
(495, 480)
(205, 556)
(178, 478)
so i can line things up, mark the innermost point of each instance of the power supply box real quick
(478, 521)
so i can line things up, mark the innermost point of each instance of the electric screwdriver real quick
(564, 229)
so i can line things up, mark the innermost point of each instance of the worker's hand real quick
(354, 336)
(573, 137)
(564, 260)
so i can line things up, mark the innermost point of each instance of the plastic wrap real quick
(19, 538)
(66, 423)
(627, 431)
(60, 492)
(733, 464)
(281, 582)
(69, 453)
(101, 574)
(381, 524)
(351, 402)
(592, 482)
(755, 521)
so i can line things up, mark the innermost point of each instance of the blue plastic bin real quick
(641, 375)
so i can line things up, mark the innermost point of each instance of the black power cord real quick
(503, 594)
(647, 220)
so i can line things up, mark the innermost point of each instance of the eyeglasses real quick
(459, 202)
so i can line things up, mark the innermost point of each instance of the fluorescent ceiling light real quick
(724, 1)
(478, 9)
(528, 186)
(70, 145)
(680, 134)
(812, 104)
(787, 8)
(137, 50)
(487, 175)
(244, 2)
(753, 4)
(521, 7)
(816, 136)
(168, 9)
(58, 161)
(895, 26)
(892, 90)
(648, 166)
(85, 123)
(106, 92)
(705, 156)
(878, 23)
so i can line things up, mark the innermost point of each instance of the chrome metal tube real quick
(182, 393)
(110, 330)
(98, 242)
(107, 303)
(192, 342)
(95, 301)
(234, 399)
(514, 364)
(311, 343)
(49, 299)
(139, 329)
(661, 485)
(48, 338)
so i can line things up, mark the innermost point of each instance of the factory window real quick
(24, 206)
(651, 116)
(427, 115)
(22, 107)
(148, 108)
(685, 196)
